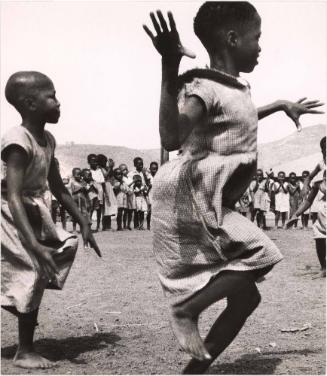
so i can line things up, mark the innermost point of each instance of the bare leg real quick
(26, 356)
(148, 218)
(227, 326)
(284, 216)
(184, 316)
(140, 214)
(99, 212)
(129, 218)
(277, 215)
(321, 253)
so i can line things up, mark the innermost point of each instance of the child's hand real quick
(295, 109)
(291, 222)
(89, 239)
(44, 255)
(167, 42)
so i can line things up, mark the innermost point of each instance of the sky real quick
(107, 73)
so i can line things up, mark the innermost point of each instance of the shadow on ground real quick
(256, 364)
(67, 348)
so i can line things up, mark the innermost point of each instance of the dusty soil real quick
(111, 316)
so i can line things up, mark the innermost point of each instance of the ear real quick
(232, 38)
(29, 103)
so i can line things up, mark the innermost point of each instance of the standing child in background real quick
(294, 191)
(92, 194)
(35, 254)
(259, 195)
(110, 204)
(120, 190)
(140, 191)
(205, 250)
(153, 170)
(304, 192)
(78, 191)
(130, 198)
(314, 209)
(98, 180)
(282, 199)
(319, 227)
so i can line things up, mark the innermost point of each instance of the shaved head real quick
(25, 84)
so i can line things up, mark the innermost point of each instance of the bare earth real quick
(111, 317)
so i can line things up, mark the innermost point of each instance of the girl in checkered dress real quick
(205, 250)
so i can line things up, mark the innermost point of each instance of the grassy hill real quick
(296, 152)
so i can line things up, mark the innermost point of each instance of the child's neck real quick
(34, 127)
(224, 63)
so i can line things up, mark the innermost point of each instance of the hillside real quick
(75, 155)
(296, 152)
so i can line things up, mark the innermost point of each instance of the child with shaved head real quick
(35, 253)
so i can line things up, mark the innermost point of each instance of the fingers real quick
(148, 31)
(162, 21)
(155, 23)
(94, 245)
(314, 112)
(298, 125)
(301, 100)
(172, 23)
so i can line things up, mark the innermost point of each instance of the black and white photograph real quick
(163, 187)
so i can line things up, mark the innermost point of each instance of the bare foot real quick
(32, 360)
(186, 331)
(321, 274)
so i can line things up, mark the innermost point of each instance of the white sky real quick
(107, 73)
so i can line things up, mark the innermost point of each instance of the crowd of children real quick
(106, 192)
(205, 250)
(281, 195)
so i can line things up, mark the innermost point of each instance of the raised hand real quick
(167, 42)
(295, 109)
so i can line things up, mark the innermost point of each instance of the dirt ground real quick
(111, 317)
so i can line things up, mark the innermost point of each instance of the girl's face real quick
(87, 176)
(93, 163)
(259, 175)
(138, 183)
(281, 176)
(293, 179)
(153, 169)
(246, 51)
(124, 170)
(77, 175)
(118, 175)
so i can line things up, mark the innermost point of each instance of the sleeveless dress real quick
(197, 232)
(22, 284)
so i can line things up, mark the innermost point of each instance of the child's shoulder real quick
(17, 135)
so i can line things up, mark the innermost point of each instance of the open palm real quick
(295, 109)
(167, 42)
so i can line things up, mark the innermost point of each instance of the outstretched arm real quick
(59, 190)
(174, 127)
(292, 109)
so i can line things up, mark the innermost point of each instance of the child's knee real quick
(246, 301)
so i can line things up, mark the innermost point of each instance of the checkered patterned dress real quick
(197, 232)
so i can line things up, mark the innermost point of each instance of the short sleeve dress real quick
(22, 284)
(197, 232)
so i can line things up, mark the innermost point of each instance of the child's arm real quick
(16, 167)
(292, 109)
(59, 190)
(174, 127)
(305, 205)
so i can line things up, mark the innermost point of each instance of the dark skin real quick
(38, 107)
(174, 128)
